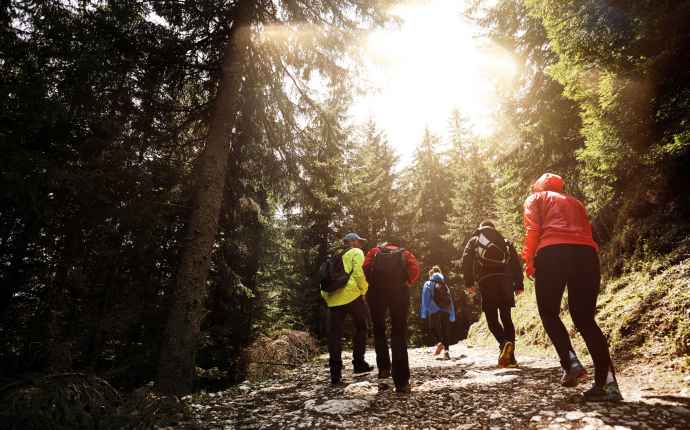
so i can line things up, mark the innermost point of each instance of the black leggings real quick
(577, 267)
(503, 331)
(440, 326)
(497, 299)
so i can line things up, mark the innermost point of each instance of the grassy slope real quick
(645, 313)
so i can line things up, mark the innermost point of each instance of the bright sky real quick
(433, 62)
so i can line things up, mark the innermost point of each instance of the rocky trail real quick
(468, 392)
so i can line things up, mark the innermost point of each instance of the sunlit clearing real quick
(434, 62)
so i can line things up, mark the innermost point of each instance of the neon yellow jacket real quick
(355, 287)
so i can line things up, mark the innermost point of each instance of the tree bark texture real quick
(176, 368)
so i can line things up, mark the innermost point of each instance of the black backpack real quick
(492, 250)
(441, 295)
(388, 268)
(332, 274)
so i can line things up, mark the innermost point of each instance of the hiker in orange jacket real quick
(559, 251)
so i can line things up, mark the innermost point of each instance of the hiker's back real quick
(491, 250)
(562, 219)
(388, 268)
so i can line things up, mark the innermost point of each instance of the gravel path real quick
(468, 392)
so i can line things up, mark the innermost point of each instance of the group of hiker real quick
(558, 251)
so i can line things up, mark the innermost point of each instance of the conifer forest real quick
(174, 173)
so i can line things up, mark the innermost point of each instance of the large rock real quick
(361, 389)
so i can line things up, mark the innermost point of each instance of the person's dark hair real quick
(487, 223)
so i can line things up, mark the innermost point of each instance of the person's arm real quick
(368, 261)
(532, 220)
(412, 267)
(451, 316)
(515, 269)
(358, 272)
(424, 306)
(467, 264)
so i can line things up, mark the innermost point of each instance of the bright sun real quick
(433, 62)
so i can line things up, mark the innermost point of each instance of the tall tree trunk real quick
(181, 334)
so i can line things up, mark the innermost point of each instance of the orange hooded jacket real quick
(551, 218)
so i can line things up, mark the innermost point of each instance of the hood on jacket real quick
(549, 182)
(437, 277)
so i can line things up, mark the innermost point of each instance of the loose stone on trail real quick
(463, 394)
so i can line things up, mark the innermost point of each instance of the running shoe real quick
(506, 352)
(439, 348)
(574, 375)
(608, 393)
(513, 361)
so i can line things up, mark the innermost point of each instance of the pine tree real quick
(371, 203)
(473, 191)
(427, 203)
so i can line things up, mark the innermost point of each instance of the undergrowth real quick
(644, 312)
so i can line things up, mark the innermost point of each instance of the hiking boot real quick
(362, 368)
(403, 389)
(573, 375)
(506, 353)
(446, 355)
(439, 348)
(384, 373)
(608, 393)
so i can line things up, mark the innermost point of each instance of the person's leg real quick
(399, 300)
(445, 330)
(336, 317)
(507, 323)
(491, 314)
(435, 323)
(509, 331)
(583, 288)
(507, 356)
(549, 285)
(358, 310)
(378, 309)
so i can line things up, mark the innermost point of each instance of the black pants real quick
(440, 327)
(503, 331)
(336, 316)
(497, 299)
(395, 300)
(577, 267)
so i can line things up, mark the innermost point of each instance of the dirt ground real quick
(467, 392)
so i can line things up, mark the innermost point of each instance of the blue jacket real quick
(429, 307)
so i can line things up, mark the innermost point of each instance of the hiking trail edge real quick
(467, 392)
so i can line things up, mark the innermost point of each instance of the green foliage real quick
(62, 401)
(427, 193)
(105, 112)
(601, 101)
(372, 207)
(472, 184)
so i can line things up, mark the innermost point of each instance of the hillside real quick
(644, 313)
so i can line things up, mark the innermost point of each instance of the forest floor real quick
(468, 392)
